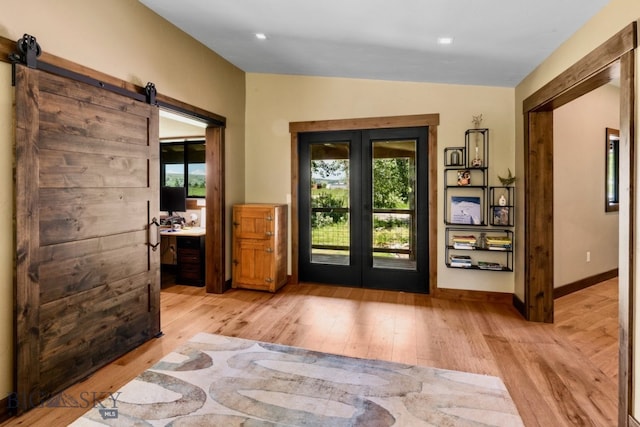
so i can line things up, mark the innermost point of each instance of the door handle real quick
(154, 247)
(269, 250)
(269, 233)
(269, 218)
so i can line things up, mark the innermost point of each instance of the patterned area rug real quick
(220, 381)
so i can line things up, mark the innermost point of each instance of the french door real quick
(363, 208)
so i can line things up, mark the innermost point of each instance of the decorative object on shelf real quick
(464, 177)
(477, 161)
(502, 201)
(510, 179)
(482, 244)
(455, 158)
(500, 215)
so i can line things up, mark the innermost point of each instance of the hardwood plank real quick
(83, 94)
(555, 374)
(59, 114)
(60, 169)
(27, 286)
(62, 279)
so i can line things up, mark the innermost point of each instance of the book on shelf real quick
(464, 239)
(486, 265)
(499, 243)
(465, 246)
(460, 261)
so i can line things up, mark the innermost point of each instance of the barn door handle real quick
(153, 222)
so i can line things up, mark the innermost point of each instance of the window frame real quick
(185, 143)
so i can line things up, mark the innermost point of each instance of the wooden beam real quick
(366, 123)
(597, 60)
(215, 237)
(627, 217)
(539, 217)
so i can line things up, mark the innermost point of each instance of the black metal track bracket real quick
(150, 91)
(28, 51)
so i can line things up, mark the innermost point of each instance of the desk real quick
(190, 254)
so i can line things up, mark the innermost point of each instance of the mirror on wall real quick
(612, 157)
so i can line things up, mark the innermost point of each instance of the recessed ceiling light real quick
(261, 36)
(445, 40)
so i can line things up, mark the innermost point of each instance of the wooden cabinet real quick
(259, 246)
(190, 260)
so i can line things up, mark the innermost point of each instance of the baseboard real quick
(467, 295)
(227, 285)
(584, 283)
(5, 413)
(520, 306)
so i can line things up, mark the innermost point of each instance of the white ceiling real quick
(496, 42)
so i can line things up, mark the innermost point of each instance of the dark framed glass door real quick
(363, 209)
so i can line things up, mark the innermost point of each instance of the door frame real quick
(599, 67)
(431, 121)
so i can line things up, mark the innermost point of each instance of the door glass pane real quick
(330, 222)
(394, 204)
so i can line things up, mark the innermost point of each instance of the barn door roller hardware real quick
(28, 51)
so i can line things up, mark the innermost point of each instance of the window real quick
(183, 164)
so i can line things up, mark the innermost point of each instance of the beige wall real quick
(126, 40)
(273, 101)
(615, 15)
(580, 222)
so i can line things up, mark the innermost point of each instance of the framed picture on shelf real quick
(466, 210)
(501, 215)
(464, 177)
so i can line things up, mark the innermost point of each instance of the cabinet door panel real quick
(254, 223)
(253, 264)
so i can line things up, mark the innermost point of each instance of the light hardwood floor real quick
(558, 375)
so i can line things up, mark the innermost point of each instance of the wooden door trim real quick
(591, 72)
(215, 238)
(421, 120)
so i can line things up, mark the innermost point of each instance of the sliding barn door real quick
(88, 279)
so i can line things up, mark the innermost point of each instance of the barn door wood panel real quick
(87, 185)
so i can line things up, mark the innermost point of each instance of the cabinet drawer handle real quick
(235, 262)
(269, 250)
(269, 233)
(269, 218)
(236, 223)
(268, 280)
